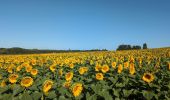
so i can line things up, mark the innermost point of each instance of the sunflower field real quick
(106, 75)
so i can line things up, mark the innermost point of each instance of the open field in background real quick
(134, 74)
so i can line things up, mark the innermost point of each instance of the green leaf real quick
(148, 95)
(36, 95)
(4, 89)
(116, 92)
(127, 92)
(62, 97)
(91, 97)
(17, 89)
(26, 96)
(34, 88)
(106, 95)
(52, 95)
(120, 85)
(6, 97)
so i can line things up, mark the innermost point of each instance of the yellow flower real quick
(28, 68)
(47, 86)
(67, 84)
(69, 76)
(126, 65)
(77, 89)
(82, 70)
(105, 68)
(34, 72)
(26, 81)
(53, 67)
(10, 69)
(97, 67)
(13, 78)
(114, 65)
(71, 65)
(33, 62)
(120, 68)
(91, 62)
(99, 76)
(60, 72)
(18, 68)
(169, 65)
(148, 77)
(3, 83)
(132, 69)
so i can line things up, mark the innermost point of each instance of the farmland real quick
(133, 74)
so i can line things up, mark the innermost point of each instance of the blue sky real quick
(84, 24)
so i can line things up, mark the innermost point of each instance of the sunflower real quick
(13, 78)
(69, 76)
(99, 76)
(120, 68)
(71, 65)
(82, 70)
(77, 89)
(105, 68)
(34, 72)
(60, 72)
(33, 62)
(47, 86)
(10, 69)
(26, 81)
(97, 67)
(67, 84)
(132, 68)
(18, 68)
(126, 65)
(28, 68)
(3, 83)
(169, 65)
(114, 65)
(148, 77)
(53, 67)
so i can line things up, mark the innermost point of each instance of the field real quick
(134, 74)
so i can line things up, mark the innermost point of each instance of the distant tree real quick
(124, 47)
(136, 47)
(128, 47)
(145, 46)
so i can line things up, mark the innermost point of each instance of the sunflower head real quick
(120, 68)
(60, 72)
(71, 65)
(132, 69)
(77, 89)
(28, 68)
(69, 76)
(18, 68)
(126, 64)
(47, 86)
(34, 72)
(99, 76)
(114, 65)
(97, 67)
(148, 77)
(3, 83)
(53, 67)
(67, 84)
(13, 78)
(26, 81)
(105, 68)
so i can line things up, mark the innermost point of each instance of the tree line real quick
(17, 50)
(129, 47)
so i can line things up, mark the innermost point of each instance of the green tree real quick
(145, 46)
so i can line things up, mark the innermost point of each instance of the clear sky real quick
(84, 24)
